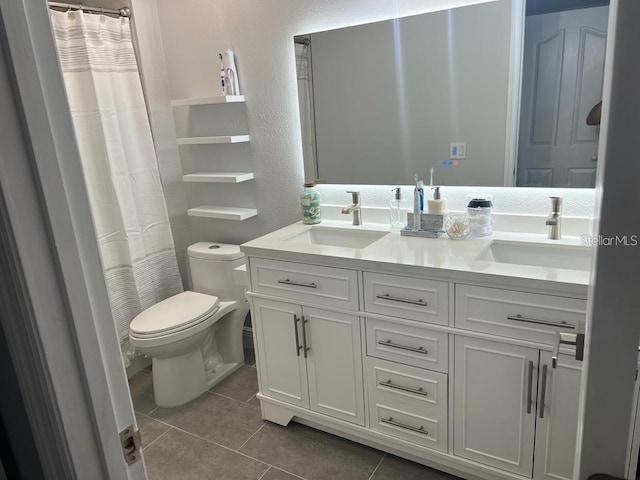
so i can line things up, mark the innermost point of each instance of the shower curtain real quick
(119, 163)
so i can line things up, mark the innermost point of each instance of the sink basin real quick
(337, 237)
(539, 255)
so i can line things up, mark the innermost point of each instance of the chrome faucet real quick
(554, 220)
(354, 208)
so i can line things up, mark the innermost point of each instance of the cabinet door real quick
(557, 426)
(494, 407)
(334, 364)
(281, 364)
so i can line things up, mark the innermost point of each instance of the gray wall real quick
(391, 96)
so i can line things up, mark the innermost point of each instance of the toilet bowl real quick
(195, 338)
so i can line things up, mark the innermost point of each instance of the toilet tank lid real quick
(215, 251)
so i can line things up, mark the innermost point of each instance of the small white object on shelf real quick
(215, 139)
(224, 213)
(186, 102)
(226, 177)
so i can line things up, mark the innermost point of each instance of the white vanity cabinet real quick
(455, 375)
(306, 356)
(508, 398)
(310, 357)
(495, 412)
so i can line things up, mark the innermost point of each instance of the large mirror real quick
(462, 91)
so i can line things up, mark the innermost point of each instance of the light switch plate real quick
(458, 150)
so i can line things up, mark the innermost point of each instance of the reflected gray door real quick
(562, 80)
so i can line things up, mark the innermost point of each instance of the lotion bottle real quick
(437, 205)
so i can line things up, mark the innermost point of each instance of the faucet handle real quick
(355, 196)
(556, 204)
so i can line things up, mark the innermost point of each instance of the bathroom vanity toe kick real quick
(282, 413)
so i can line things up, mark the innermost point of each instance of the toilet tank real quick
(211, 269)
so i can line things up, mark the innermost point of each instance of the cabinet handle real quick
(520, 318)
(530, 387)
(305, 349)
(543, 389)
(417, 391)
(389, 343)
(386, 296)
(391, 421)
(295, 329)
(286, 281)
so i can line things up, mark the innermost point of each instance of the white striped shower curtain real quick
(119, 163)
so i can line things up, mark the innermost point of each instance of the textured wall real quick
(261, 34)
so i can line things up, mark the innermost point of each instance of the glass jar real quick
(310, 202)
(480, 214)
(457, 226)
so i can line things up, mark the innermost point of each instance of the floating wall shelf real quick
(216, 139)
(227, 177)
(224, 213)
(185, 102)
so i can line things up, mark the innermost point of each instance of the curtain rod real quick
(302, 41)
(123, 12)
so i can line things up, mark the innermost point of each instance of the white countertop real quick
(438, 258)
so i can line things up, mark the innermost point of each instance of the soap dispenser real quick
(397, 210)
(437, 205)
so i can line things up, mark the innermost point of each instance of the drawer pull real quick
(389, 343)
(386, 296)
(520, 318)
(286, 281)
(391, 421)
(417, 391)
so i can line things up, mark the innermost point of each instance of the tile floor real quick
(221, 436)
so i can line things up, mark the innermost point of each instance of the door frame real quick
(612, 325)
(61, 325)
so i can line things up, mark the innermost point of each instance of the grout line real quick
(377, 466)
(157, 438)
(151, 412)
(265, 472)
(234, 399)
(254, 434)
(252, 397)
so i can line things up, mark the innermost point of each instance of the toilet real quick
(195, 338)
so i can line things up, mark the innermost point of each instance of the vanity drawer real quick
(419, 417)
(405, 297)
(305, 283)
(407, 344)
(528, 316)
(413, 388)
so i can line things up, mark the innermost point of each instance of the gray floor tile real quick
(180, 456)
(254, 401)
(394, 468)
(240, 385)
(312, 454)
(141, 388)
(219, 419)
(277, 474)
(150, 429)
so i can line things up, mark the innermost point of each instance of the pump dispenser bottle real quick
(437, 205)
(397, 210)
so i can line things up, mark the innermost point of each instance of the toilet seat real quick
(180, 312)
